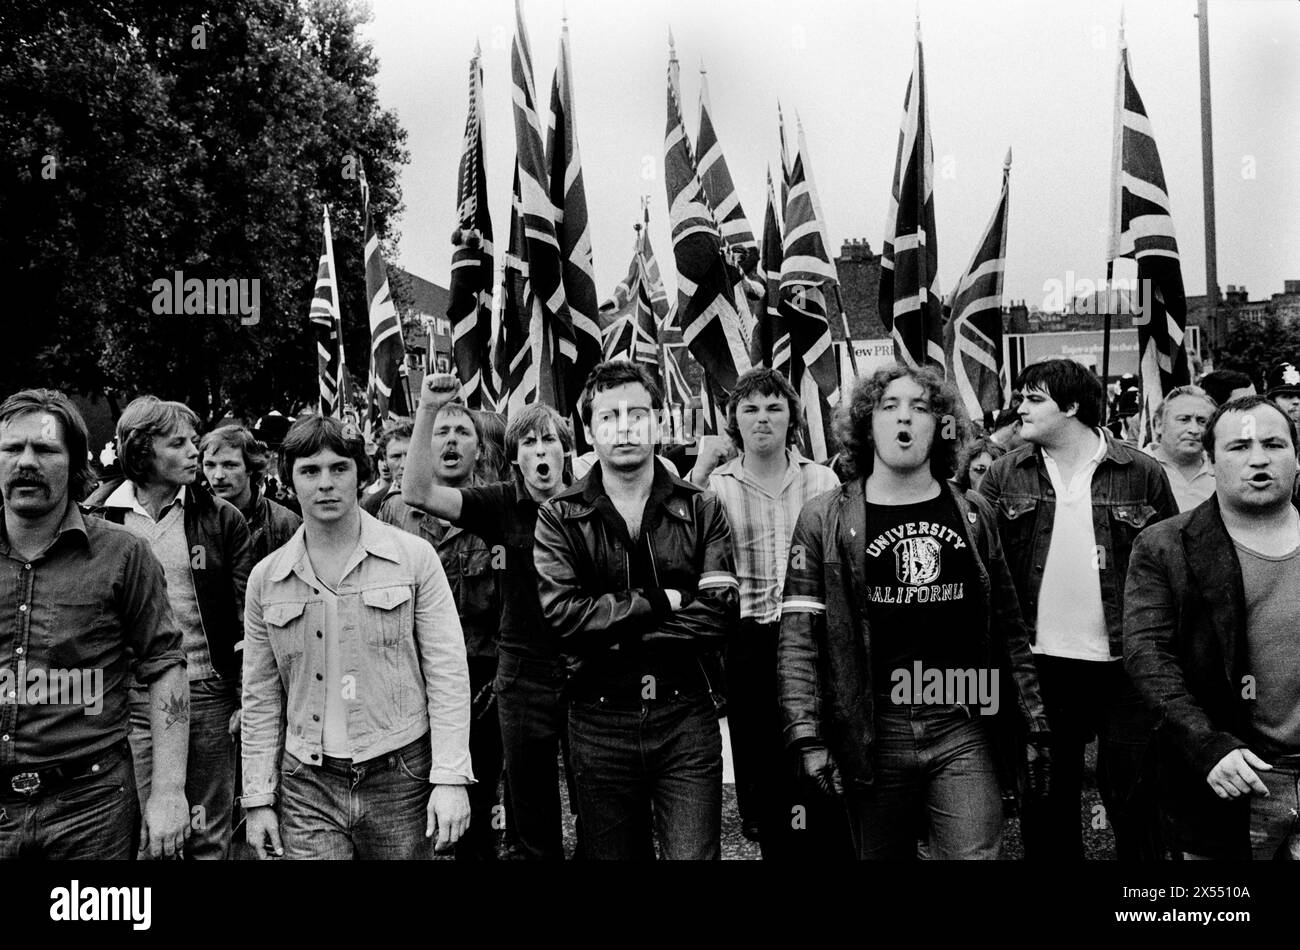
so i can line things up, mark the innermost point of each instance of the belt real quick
(30, 782)
(380, 763)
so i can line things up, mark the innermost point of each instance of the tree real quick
(203, 141)
(1251, 348)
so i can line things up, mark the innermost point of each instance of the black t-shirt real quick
(505, 518)
(920, 598)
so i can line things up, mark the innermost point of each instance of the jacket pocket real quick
(389, 615)
(285, 631)
(1017, 521)
(81, 632)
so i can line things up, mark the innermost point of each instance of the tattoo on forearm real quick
(177, 710)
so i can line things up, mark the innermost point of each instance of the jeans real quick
(373, 811)
(638, 762)
(1085, 698)
(1275, 820)
(534, 733)
(768, 789)
(92, 817)
(210, 771)
(479, 843)
(933, 769)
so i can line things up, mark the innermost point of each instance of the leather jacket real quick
(218, 538)
(824, 655)
(583, 571)
(1129, 492)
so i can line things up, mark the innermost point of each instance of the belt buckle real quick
(26, 783)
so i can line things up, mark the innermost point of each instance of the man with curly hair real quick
(903, 660)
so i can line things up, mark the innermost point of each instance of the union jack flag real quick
(327, 326)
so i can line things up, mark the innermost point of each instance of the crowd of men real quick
(909, 645)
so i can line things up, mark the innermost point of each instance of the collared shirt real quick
(1071, 622)
(83, 617)
(402, 659)
(1188, 492)
(762, 524)
(166, 537)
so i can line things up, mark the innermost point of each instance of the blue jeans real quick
(933, 766)
(533, 734)
(1274, 825)
(374, 811)
(91, 817)
(647, 761)
(210, 770)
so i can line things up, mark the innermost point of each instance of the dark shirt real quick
(91, 609)
(502, 514)
(921, 601)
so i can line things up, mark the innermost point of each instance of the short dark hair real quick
(614, 373)
(76, 437)
(853, 419)
(1068, 383)
(144, 419)
(313, 434)
(400, 430)
(1245, 404)
(256, 453)
(1220, 384)
(764, 382)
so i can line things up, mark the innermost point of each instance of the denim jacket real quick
(401, 647)
(1129, 492)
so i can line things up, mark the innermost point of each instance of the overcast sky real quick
(1035, 75)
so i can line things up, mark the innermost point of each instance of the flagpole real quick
(848, 337)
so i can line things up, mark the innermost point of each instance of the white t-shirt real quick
(1071, 622)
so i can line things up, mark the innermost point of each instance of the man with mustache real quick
(763, 490)
(1070, 503)
(234, 465)
(80, 595)
(455, 446)
(637, 581)
(530, 669)
(1180, 422)
(1210, 641)
(203, 544)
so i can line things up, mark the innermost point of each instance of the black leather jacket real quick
(582, 569)
(824, 655)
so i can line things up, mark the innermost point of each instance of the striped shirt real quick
(762, 524)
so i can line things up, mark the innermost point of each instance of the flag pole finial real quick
(1006, 162)
(672, 47)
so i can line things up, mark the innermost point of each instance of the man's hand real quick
(166, 824)
(1039, 756)
(236, 718)
(1234, 776)
(713, 451)
(674, 599)
(819, 766)
(262, 832)
(448, 815)
(437, 390)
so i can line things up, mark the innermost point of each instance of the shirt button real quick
(19, 651)
(22, 608)
(318, 634)
(4, 738)
(319, 677)
(12, 694)
(315, 718)
(27, 567)
(315, 756)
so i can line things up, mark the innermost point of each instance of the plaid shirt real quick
(762, 524)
